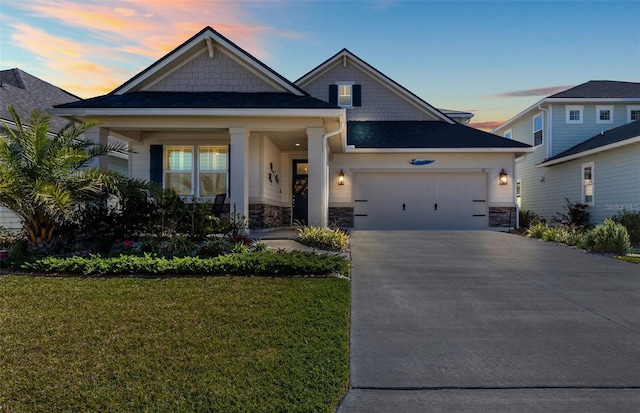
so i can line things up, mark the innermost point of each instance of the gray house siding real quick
(566, 135)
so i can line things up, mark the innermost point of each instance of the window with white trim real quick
(574, 113)
(537, 130)
(604, 114)
(588, 175)
(508, 134)
(210, 170)
(633, 113)
(344, 95)
(519, 193)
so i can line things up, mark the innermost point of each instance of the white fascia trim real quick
(590, 152)
(203, 37)
(195, 112)
(351, 149)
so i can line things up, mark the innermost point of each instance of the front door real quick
(300, 191)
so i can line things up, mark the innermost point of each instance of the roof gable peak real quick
(207, 40)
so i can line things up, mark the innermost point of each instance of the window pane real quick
(213, 183)
(537, 138)
(178, 158)
(574, 115)
(537, 123)
(213, 158)
(587, 174)
(180, 182)
(635, 115)
(344, 95)
(605, 115)
(507, 135)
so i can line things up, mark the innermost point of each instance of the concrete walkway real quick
(455, 321)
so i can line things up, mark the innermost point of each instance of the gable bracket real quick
(210, 47)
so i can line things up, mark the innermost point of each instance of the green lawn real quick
(220, 344)
(635, 260)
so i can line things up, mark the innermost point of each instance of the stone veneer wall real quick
(341, 216)
(499, 217)
(268, 216)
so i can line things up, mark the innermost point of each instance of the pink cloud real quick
(130, 34)
(486, 126)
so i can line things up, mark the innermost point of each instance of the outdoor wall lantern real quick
(503, 178)
(341, 178)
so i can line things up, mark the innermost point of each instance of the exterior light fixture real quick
(341, 178)
(503, 178)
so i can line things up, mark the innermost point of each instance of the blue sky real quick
(494, 58)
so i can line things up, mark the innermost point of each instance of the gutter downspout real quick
(548, 129)
(325, 137)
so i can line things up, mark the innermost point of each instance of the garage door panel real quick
(420, 201)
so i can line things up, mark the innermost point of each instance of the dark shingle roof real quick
(601, 89)
(218, 100)
(26, 92)
(619, 134)
(423, 134)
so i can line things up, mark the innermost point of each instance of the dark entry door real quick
(300, 191)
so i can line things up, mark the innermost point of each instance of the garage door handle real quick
(435, 206)
(404, 207)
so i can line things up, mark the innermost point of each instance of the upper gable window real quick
(574, 114)
(508, 134)
(537, 130)
(633, 113)
(604, 114)
(345, 94)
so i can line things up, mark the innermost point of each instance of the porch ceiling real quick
(288, 141)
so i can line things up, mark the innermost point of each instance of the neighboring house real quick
(587, 149)
(26, 93)
(344, 144)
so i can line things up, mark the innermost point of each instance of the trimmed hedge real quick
(255, 263)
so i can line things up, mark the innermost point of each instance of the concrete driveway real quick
(478, 321)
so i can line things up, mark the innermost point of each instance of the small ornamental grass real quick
(609, 237)
(324, 238)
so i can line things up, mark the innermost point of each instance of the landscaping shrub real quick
(528, 218)
(180, 244)
(214, 247)
(325, 238)
(537, 230)
(609, 237)
(255, 263)
(577, 214)
(631, 221)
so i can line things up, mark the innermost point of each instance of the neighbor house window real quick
(210, 170)
(574, 114)
(537, 130)
(519, 193)
(344, 95)
(507, 134)
(633, 113)
(587, 183)
(604, 114)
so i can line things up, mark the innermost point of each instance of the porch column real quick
(239, 171)
(99, 136)
(317, 154)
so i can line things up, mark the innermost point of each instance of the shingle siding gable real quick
(218, 74)
(378, 102)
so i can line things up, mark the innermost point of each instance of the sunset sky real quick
(493, 58)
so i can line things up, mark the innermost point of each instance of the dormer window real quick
(345, 94)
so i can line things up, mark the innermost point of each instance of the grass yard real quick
(635, 260)
(214, 344)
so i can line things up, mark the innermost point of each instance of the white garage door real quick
(420, 201)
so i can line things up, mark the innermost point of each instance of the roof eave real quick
(352, 149)
(195, 112)
(603, 148)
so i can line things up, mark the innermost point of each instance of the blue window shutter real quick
(155, 164)
(356, 90)
(333, 94)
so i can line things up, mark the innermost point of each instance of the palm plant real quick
(44, 178)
